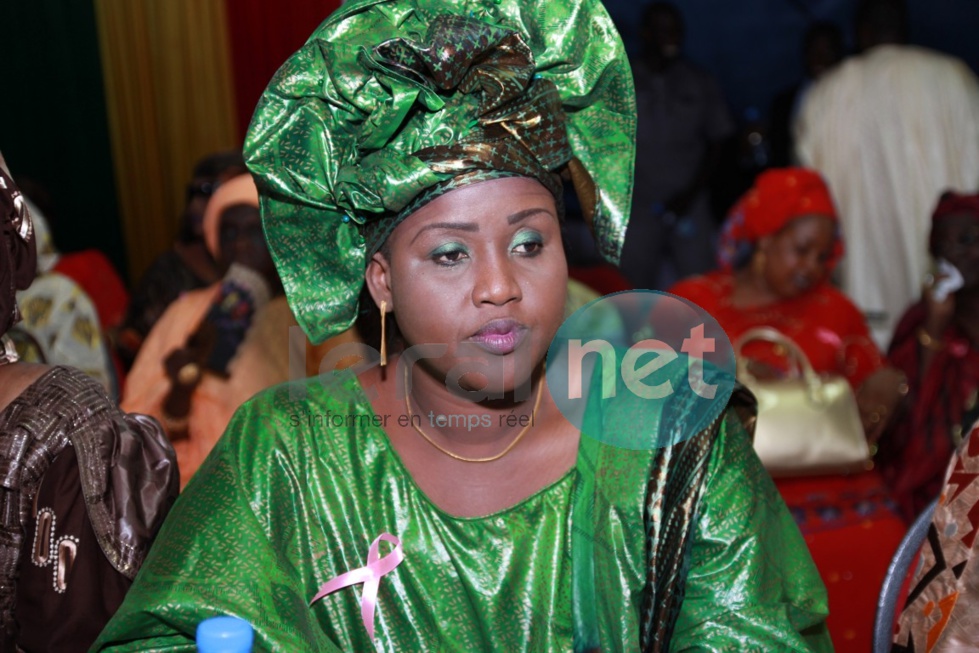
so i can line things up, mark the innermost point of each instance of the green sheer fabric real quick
(286, 502)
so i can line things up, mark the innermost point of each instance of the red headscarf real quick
(951, 202)
(779, 196)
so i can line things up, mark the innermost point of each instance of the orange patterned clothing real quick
(940, 613)
(261, 361)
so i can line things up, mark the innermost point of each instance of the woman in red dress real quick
(778, 247)
(936, 344)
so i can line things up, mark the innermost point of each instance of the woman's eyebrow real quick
(526, 213)
(474, 227)
(456, 226)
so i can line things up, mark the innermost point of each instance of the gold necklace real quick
(488, 459)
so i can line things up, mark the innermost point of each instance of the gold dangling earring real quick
(384, 340)
(758, 264)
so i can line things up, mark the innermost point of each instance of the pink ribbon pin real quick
(370, 575)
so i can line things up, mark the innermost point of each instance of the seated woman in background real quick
(89, 268)
(779, 244)
(415, 148)
(61, 324)
(187, 265)
(85, 487)
(216, 347)
(936, 344)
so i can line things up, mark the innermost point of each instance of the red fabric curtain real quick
(264, 33)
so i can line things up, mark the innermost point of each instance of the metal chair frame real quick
(897, 572)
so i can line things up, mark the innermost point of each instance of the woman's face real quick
(199, 192)
(242, 240)
(797, 258)
(480, 270)
(957, 241)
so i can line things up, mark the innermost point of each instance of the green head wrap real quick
(393, 102)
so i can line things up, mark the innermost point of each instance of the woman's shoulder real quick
(832, 303)
(65, 400)
(907, 327)
(706, 290)
(176, 322)
(339, 390)
(317, 412)
(15, 380)
(192, 300)
(830, 293)
(297, 433)
(66, 393)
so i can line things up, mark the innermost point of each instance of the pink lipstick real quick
(501, 336)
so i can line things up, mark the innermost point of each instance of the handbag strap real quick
(772, 335)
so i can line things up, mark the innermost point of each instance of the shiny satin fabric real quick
(19, 263)
(388, 100)
(127, 504)
(286, 502)
(126, 467)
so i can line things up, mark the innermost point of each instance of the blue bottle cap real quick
(224, 635)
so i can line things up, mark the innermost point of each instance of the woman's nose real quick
(813, 266)
(496, 282)
(241, 247)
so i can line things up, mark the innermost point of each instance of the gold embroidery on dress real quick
(36, 311)
(84, 331)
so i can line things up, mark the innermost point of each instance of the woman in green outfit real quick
(409, 159)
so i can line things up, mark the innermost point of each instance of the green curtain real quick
(53, 126)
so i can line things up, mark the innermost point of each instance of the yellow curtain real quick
(170, 101)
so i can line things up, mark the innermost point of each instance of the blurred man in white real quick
(890, 129)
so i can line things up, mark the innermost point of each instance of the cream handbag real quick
(807, 424)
